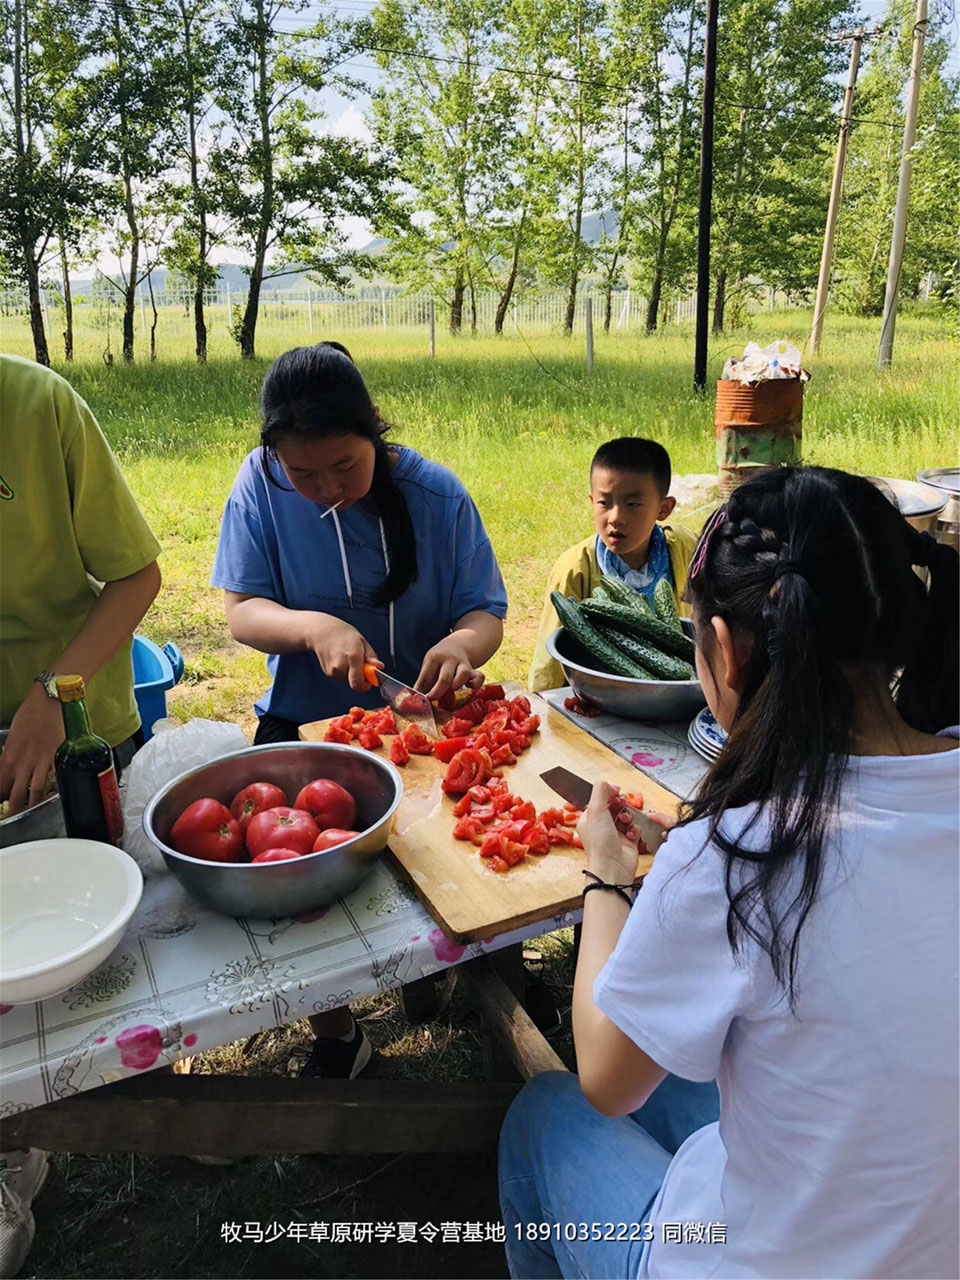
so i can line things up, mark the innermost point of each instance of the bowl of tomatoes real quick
(276, 830)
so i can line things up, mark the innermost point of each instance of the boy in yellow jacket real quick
(629, 483)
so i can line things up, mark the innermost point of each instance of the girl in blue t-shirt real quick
(336, 550)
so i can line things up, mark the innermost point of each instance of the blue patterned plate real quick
(705, 735)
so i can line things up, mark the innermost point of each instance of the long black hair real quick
(312, 392)
(814, 568)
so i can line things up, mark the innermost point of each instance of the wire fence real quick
(308, 309)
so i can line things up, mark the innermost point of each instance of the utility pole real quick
(706, 197)
(836, 191)
(885, 358)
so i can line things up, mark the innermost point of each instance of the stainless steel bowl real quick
(919, 504)
(271, 889)
(621, 696)
(43, 822)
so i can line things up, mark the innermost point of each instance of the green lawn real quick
(520, 436)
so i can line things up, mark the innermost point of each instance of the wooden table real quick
(79, 1072)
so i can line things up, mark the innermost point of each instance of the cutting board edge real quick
(465, 938)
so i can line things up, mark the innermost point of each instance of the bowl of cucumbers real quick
(625, 656)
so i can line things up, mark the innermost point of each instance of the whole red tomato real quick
(253, 799)
(281, 828)
(276, 855)
(205, 829)
(329, 803)
(330, 838)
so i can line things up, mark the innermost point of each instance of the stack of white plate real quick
(705, 735)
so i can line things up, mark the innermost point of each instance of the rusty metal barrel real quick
(757, 427)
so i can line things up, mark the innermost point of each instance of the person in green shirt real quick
(78, 570)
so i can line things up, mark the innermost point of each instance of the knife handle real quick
(371, 674)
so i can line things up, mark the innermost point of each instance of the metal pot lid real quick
(947, 478)
(913, 499)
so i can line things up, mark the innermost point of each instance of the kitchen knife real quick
(576, 790)
(406, 702)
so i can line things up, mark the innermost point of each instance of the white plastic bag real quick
(171, 751)
(780, 359)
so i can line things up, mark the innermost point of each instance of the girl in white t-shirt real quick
(796, 940)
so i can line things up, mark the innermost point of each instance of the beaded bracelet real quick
(621, 890)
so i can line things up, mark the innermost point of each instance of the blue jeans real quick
(562, 1162)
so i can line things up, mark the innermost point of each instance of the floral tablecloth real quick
(184, 979)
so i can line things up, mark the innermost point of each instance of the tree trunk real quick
(199, 323)
(40, 349)
(608, 292)
(153, 322)
(67, 306)
(456, 304)
(504, 303)
(719, 301)
(575, 270)
(653, 303)
(248, 326)
(129, 306)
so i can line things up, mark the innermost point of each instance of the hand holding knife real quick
(576, 790)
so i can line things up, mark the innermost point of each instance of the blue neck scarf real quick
(641, 580)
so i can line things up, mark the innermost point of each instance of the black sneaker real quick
(338, 1059)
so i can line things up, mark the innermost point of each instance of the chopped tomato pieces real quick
(503, 755)
(512, 851)
(357, 713)
(491, 845)
(490, 692)
(418, 744)
(387, 721)
(334, 734)
(462, 807)
(634, 799)
(457, 727)
(524, 812)
(468, 828)
(446, 750)
(369, 739)
(465, 770)
(536, 838)
(398, 751)
(497, 864)
(480, 793)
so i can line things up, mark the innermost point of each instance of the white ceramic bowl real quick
(64, 905)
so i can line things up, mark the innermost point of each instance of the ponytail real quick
(815, 567)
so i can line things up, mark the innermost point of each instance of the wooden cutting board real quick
(469, 901)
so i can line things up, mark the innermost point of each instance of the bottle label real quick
(112, 808)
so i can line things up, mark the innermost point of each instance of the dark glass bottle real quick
(86, 777)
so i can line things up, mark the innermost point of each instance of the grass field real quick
(518, 432)
(521, 437)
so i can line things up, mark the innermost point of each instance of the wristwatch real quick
(49, 681)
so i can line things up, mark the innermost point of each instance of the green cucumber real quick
(620, 593)
(570, 613)
(600, 593)
(665, 599)
(651, 629)
(662, 666)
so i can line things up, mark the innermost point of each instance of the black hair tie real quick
(786, 566)
(925, 549)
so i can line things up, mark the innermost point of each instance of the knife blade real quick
(406, 702)
(576, 790)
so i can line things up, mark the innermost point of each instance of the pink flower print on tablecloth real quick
(447, 952)
(645, 760)
(140, 1047)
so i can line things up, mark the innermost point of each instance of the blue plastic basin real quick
(155, 670)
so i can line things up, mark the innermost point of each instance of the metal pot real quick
(43, 822)
(273, 889)
(919, 504)
(620, 695)
(947, 480)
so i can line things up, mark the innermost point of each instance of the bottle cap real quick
(70, 688)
